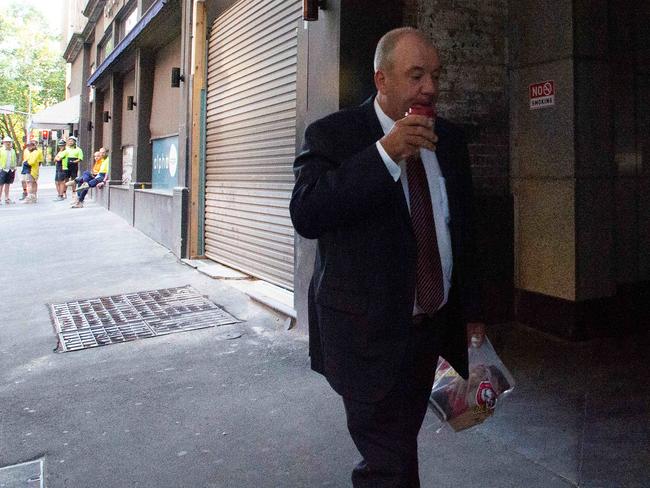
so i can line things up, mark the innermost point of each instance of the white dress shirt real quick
(438, 192)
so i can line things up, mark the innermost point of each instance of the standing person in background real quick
(33, 164)
(7, 168)
(23, 174)
(74, 156)
(386, 189)
(61, 174)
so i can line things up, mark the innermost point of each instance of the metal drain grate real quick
(120, 318)
(29, 474)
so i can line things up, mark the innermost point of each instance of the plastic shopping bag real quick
(463, 404)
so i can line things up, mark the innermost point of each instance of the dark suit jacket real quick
(363, 287)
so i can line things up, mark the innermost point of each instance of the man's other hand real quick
(408, 135)
(475, 334)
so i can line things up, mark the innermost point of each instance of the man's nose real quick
(430, 85)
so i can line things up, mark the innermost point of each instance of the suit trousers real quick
(386, 432)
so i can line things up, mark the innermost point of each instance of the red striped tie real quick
(430, 288)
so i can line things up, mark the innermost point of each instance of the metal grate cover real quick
(119, 318)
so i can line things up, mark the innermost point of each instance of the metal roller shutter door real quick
(251, 136)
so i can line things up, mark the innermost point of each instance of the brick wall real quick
(471, 36)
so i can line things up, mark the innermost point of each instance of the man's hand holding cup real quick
(410, 134)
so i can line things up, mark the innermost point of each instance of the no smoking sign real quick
(541, 94)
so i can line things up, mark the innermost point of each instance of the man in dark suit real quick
(389, 197)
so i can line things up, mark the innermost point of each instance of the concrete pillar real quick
(184, 93)
(567, 164)
(115, 145)
(195, 62)
(595, 173)
(640, 19)
(97, 139)
(317, 95)
(144, 79)
(543, 161)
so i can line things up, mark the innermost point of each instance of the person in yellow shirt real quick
(104, 153)
(31, 168)
(90, 179)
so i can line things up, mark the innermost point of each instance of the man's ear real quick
(380, 80)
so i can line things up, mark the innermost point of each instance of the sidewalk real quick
(207, 409)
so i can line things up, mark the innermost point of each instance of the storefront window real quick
(129, 22)
(91, 89)
(105, 48)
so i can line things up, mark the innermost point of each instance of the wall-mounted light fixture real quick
(177, 77)
(89, 126)
(130, 103)
(310, 9)
(106, 116)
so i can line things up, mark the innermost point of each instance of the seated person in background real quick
(90, 179)
(104, 154)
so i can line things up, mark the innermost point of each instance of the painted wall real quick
(106, 134)
(112, 8)
(100, 29)
(129, 117)
(165, 113)
(76, 77)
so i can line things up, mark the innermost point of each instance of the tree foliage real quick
(30, 64)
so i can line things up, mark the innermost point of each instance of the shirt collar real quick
(385, 121)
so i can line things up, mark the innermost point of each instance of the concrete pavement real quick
(200, 409)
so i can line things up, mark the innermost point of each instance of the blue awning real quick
(144, 21)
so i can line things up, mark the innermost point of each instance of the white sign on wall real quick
(127, 164)
(542, 94)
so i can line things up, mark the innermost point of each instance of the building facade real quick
(202, 105)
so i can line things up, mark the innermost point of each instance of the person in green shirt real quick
(61, 175)
(74, 156)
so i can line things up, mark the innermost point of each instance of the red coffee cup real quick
(426, 110)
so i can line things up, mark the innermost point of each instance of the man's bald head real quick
(386, 46)
(407, 71)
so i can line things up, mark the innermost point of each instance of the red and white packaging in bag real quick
(463, 404)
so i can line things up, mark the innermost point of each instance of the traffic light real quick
(46, 135)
